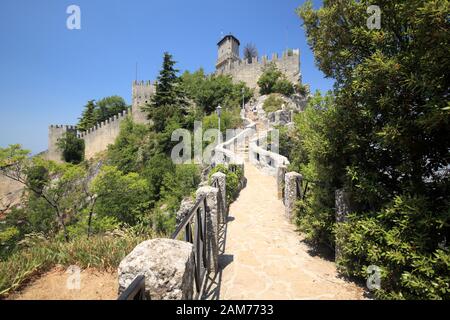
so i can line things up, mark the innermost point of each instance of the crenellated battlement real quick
(242, 70)
(63, 126)
(288, 56)
(116, 118)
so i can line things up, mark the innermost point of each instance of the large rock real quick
(168, 267)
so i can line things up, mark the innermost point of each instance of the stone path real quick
(265, 255)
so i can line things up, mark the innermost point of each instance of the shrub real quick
(123, 196)
(72, 147)
(232, 180)
(284, 87)
(132, 148)
(268, 79)
(399, 239)
(274, 81)
(210, 91)
(273, 103)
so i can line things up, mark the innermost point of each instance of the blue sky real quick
(48, 73)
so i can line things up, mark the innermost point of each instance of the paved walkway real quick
(265, 255)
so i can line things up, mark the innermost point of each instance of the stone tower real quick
(56, 132)
(140, 95)
(228, 52)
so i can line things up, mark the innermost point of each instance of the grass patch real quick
(101, 252)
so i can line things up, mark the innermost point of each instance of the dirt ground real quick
(56, 284)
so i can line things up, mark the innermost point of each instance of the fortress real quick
(98, 138)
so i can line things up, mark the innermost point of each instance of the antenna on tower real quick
(286, 38)
(136, 71)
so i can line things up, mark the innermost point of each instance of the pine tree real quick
(87, 119)
(169, 100)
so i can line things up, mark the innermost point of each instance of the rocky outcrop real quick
(168, 267)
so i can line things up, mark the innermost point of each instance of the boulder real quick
(168, 267)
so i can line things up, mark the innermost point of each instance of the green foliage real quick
(402, 239)
(284, 87)
(169, 100)
(229, 119)
(123, 196)
(37, 178)
(88, 118)
(301, 89)
(133, 147)
(384, 137)
(8, 239)
(179, 184)
(104, 109)
(108, 107)
(274, 81)
(273, 103)
(208, 92)
(100, 225)
(72, 147)
(232, 180)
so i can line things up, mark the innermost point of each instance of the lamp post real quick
(219, 113)
(243, 99)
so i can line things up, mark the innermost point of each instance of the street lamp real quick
(219, 113)
(243, 99)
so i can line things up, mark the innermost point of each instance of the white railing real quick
(268, 161)
(225, 153)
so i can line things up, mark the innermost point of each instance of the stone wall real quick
(97, 138)
(103, 134)
(289, 64)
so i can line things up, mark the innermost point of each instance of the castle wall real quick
(103, 134)
(289, 64)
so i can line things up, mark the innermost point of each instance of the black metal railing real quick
(135, 291)
(195, 229)
(221, 202)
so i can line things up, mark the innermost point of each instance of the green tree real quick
(386, 140)
(274, 81)
(123, 196)
(88, 118)
(62, 193)
(133, 147)
(72, 147)
(210, 91)
(269, 78)
(108, 107)
(169, 99)
(103, 109)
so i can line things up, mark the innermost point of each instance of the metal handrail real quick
(197, 218)
(199, 237)
(135, 291)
